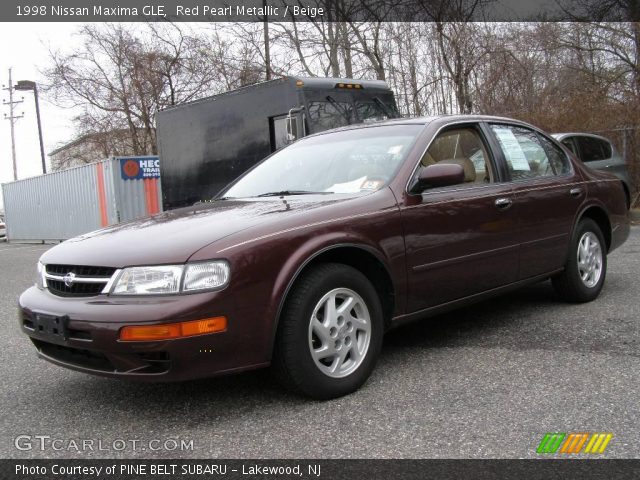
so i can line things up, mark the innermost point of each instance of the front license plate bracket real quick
(51, 326)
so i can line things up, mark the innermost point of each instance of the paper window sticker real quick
(512, 149)
(371, 185)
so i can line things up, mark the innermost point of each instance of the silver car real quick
(598, 153)
(3, 228)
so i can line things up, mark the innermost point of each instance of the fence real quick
(61, 205)
(627, 142)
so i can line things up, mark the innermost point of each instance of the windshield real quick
(350, 161)
(331, 108)
(327, 114)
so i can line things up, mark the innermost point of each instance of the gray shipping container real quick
(61, 205)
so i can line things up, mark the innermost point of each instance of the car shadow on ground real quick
(445, 330)
(474, 322)
(529, 318)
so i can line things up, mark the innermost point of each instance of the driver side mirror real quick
(439, 175)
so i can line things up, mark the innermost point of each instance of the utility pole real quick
(12, 121)
(267, 55)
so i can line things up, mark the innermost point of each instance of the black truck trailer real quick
(206, 144)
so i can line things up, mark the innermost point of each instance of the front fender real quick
(293, 269)
(266, 264)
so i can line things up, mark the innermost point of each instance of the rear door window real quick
(523, 152)
(593, 149)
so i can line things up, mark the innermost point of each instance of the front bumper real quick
(83, 334)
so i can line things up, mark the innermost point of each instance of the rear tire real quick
(586, 268)
(330, 332)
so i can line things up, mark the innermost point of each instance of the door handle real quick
(575, 192)
(503, 203)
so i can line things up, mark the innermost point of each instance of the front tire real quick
(586, 268)
(330, 332)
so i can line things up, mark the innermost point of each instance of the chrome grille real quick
(82, 270)
(77, 280)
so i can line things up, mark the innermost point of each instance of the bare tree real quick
(578, 76)
(130, 78)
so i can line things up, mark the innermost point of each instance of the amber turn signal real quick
(169, 331)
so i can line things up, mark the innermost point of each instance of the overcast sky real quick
(24, 46)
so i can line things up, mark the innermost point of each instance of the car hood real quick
(174, 236)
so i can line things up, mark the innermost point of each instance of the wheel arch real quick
(361, 257)
(627, 193)
(599, 215)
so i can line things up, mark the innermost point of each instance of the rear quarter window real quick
(559, 161)
(568, 142)
(593, 149)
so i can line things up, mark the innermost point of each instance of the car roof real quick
(452, 118)
(560, 136)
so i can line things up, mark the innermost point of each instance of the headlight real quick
(205, 276)
(168, 279)
(149, 280)
(41, 282)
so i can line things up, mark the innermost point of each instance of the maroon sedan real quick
(306, 260)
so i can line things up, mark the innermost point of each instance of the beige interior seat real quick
(467, 166)
(427, 160)
(458, 146)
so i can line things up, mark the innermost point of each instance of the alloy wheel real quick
(589, 259)
(339, 332)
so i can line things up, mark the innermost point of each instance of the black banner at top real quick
(316, 10)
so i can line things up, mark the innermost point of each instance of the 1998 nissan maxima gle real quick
(308, 258)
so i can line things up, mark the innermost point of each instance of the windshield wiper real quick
(383, 107)
(290, 192)
(342, 110)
